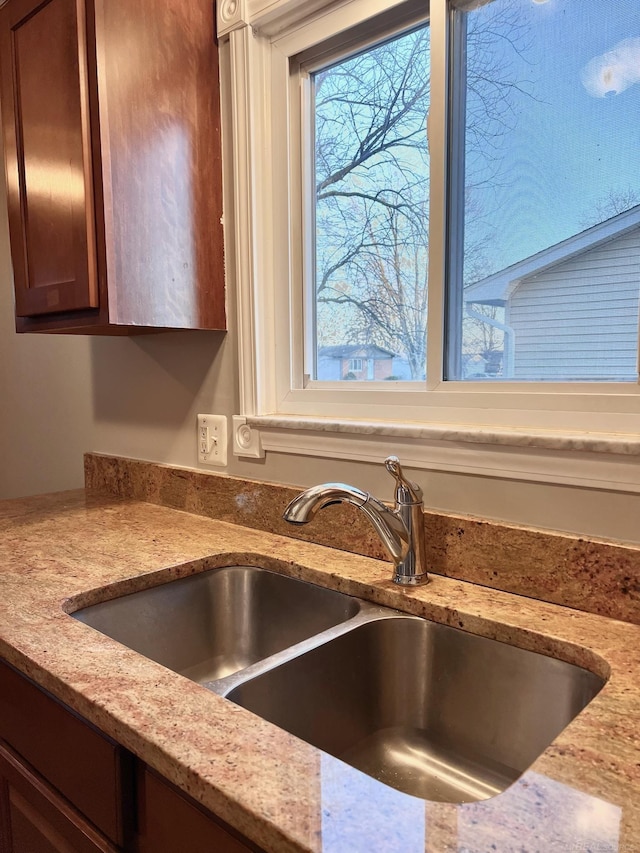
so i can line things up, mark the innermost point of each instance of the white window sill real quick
(588, 460)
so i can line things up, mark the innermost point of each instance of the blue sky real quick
(569, 145)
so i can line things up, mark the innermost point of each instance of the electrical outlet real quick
(212, 439)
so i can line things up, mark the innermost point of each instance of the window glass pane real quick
(544, 268)
(371, 218)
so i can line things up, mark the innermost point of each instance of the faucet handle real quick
(407, 492)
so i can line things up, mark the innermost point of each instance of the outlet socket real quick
(212, 439)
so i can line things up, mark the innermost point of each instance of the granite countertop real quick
(58, 552)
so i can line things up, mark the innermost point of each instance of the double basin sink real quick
(428, 709)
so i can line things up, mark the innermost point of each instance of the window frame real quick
(280, 407)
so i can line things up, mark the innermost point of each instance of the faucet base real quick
(411, 580)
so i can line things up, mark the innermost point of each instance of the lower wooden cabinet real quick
(35, 818)
(87, 769)
(170, 822)
(65, 787)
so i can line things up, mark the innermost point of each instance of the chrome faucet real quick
(400, 529)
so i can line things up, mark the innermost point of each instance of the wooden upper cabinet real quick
(49, 158)
(111, 119)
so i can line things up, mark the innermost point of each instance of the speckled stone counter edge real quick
(591, 575)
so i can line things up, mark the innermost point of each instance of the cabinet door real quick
(171, 822)
(83, 765)
(45, 111)
(34, 818)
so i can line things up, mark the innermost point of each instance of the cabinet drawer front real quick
(48, 151)
(33, 816)
(88, 768)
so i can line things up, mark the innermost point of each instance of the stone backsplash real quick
(592, 575)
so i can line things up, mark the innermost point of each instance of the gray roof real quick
(355, 351)
(497, 288)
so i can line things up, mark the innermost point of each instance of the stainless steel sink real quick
(431, 710)
(212, 624)
(428, 709)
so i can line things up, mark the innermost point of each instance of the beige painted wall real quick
(138, 397)
(45, 398)
(64, 394)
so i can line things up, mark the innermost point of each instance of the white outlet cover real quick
(211, 438)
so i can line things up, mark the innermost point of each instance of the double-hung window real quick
(437, 220)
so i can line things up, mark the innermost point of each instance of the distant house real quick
(570, 311)
(355, 361)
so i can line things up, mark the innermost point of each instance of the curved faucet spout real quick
(390, 527)
(303, 507)
(400, 530)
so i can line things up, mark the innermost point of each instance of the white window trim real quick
(507, 430)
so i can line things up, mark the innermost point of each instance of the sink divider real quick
(368, 613)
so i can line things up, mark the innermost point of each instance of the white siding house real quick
(571, 311)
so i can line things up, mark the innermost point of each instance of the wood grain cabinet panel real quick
(65, 787)
(34, 818)
(170, 821)
(54, 237)
(111, 120)
(89, 769)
